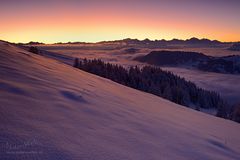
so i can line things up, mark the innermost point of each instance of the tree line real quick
(158, 82)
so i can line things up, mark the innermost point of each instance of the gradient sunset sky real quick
(52, 21)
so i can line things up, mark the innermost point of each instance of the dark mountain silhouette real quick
(153, 43)
(34, 43)
(226, 64)
(162, 43)
(31, 43)
(196, 41)
(171, 57)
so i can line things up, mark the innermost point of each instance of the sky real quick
(51, 21)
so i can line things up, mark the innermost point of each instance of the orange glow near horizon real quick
(66, 23)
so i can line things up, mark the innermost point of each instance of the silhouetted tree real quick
(76, 63)
(236, 113)
(34, 50)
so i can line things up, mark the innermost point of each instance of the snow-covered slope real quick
(49, 110)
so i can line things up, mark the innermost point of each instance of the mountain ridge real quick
(224, 64)
(175, 41)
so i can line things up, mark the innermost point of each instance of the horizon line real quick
(102, 41)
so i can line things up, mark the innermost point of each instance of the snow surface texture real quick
(49, 110)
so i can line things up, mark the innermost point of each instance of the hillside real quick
(224, 64)
(49, 110)
(172, 57)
